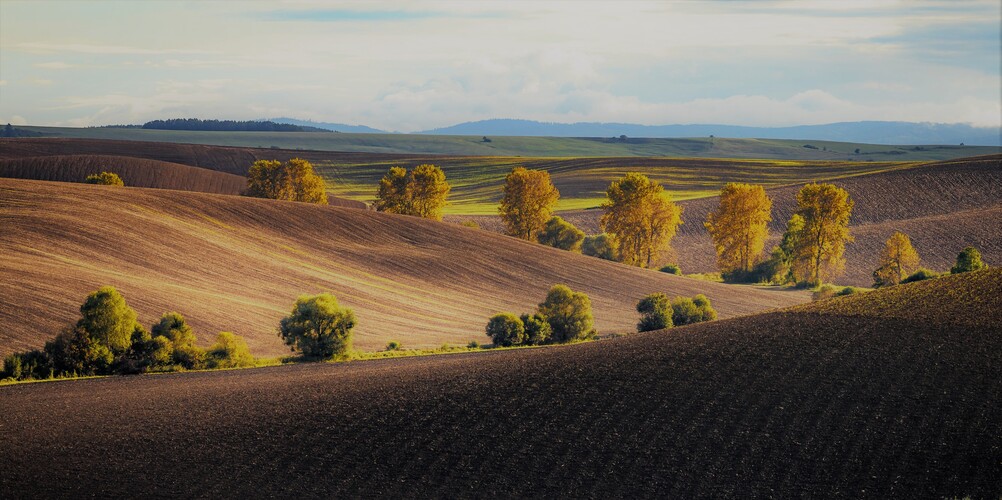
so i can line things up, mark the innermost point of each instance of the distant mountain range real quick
(870, 132)
(333, 127)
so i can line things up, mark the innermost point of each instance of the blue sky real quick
(409, 66)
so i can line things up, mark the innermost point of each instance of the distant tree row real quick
(226, 126)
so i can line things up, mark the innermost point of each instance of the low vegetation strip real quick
(783, 404)
(235, 263)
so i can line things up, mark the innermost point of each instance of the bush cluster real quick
(658, 312)
(105, 178)
(921, 275)
(564, 316)
(672, 269)
(107, 340)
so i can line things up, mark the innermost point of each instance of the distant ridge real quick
(870, 132)
(336, 127)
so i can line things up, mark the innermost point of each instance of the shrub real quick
(824, 292)
(108, 320)
(920, 275)
(968, 260)
(706, 311)
(173, 327)
(506, 329)
(561, 234)
(393, 345)
(470, 224)
(473, 345)
(849, 290)
(75, 352)
(318, 327)
(25, 366)
(568, 313)
(229, 351)
(537, 329)
(672, 269)
(655, 312)
(105, 178)
(601, 246)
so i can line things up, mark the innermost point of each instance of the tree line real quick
(227, 126)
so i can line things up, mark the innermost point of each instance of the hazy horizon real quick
(410, 67)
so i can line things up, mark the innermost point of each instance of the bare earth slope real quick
(820, 402)
(942, 206)
(237, 264)
(138, 172)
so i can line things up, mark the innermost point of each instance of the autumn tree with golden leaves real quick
(293, 180)
(898, 260)
(422, 192)
(527, 202)
(819, 254)
(641, 217)
(739, 227)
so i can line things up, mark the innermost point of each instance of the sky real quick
(409, 66)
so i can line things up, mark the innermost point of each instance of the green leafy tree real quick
(969, 259)
(318, 327)
(229, 351)
(642, 218)
(506, 329)
(655, 312)
(173, 327)
(105, 178)
(686, 311)
(108, 320)
(527, 201)
(602, 246)
(537, 329)
(568, 313)
(561, 234)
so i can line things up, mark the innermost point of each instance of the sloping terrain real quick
(942, 206)
(237, 264)
(136, 172)
(828, 400)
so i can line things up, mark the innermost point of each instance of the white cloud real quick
(85, 48)
(55, 65)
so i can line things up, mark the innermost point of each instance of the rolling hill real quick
(893, 393)
(237, 264)
(138, 172)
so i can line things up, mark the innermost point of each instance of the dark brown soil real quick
(786, 404)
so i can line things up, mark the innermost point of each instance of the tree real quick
(423, 192)
(739, 227)
(640, 215)
(537, 329)
(506, 329)
(655, 312)
(602, 246)
(686, 311)
(968, 260)
(561, 234)
(318, 327)
(527, 202)
(230, 351)
(108, 320)
(786, 268)
(173, 327)
(429, 191)
(75, 351)
(293, 180)
(825, 209)
(105, 178)
(568, 313)
(898, 260)
(393, 195)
